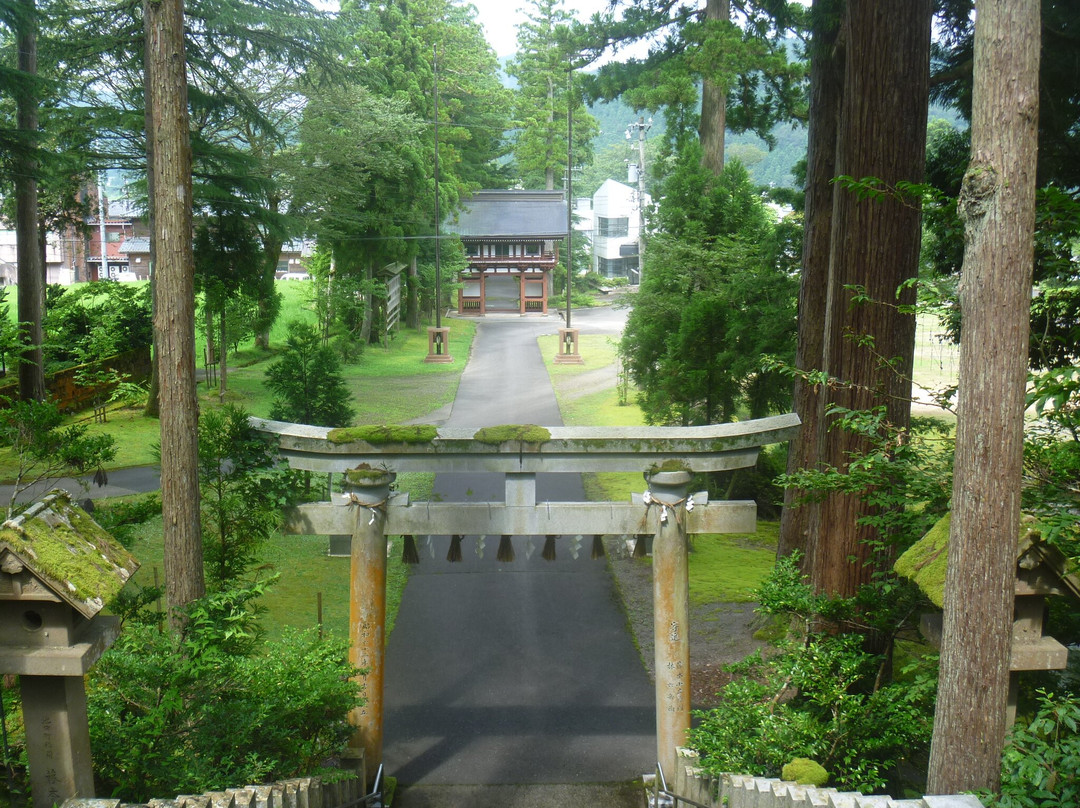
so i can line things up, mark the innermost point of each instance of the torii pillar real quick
(368, 491)
(671, 614)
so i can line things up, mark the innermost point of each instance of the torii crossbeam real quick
(666, 456)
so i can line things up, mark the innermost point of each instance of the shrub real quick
(213, 707)
(1040, 767)
(822, 696)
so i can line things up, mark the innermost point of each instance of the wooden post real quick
(671, 614)
(369, 491)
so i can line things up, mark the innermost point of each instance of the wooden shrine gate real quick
(667, 456)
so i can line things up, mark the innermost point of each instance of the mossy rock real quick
(382, 434)
(925, 562)
(526, 433)
(805, 772)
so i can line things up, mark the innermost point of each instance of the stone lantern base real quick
(568, 348)
(438, 340)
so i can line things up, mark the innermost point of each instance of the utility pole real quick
(642, 128)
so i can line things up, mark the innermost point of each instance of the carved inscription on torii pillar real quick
(667, 456)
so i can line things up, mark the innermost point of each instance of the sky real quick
(500, 19)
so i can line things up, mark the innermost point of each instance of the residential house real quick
(511, 241)
(617, 221)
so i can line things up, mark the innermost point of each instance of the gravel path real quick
(720, 633)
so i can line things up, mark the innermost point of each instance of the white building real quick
(55, 270)
(617, 221)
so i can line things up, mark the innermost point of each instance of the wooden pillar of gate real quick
(671, 612)
(369, 491)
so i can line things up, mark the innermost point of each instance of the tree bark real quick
(224, 370)
(826, 92)
(869, 348)
(153, 400)
(713, 103)
(31, 270)
(174, 318)
(997, 204)
(412, 299)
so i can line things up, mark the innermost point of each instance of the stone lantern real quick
(58, 568)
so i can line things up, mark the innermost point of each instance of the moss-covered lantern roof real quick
(68, 552)
(925, 562)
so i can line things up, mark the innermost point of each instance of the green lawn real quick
(305, 570)
(723, 568)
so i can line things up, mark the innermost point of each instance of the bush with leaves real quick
(244, 488)
(1040, 767)
(214, 706)
(46, 450)
(307, 382)
(823, 696)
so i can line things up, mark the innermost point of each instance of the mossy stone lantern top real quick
(58, 569)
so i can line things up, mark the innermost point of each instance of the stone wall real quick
(304, 792)
(73, 397)
(744, 791)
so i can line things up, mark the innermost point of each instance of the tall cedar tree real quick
(712, 66)
(826, 92)
(866, 347)
(997, 204)
(542, 97)
(31, 271)
(174, 302)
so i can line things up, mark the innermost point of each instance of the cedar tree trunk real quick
(874, 245)
(174, 318)
(713, 104)
(31, 270)
(997, 204)
(826, 91)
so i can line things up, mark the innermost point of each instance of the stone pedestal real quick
(568, 348)
(57, 738)
(671, 613)
(369, 491)
(438, 339)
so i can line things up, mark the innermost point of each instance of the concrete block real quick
(953, 801)
(844, 799)
(242, 797)
(221, 799)
(872, 801)
(264, 796)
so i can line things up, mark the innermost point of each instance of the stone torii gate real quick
(370, 457)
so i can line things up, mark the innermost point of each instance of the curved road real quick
(522, 672)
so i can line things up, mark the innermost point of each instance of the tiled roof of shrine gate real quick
(512, 215)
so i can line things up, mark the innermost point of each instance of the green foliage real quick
(904, 476)
(243, 489)
(307, 381)
(213, 707)
(1052, 457)
(1040, 767)
(95, 321)
(544, 93)
(719, 294)
(45, 449)
(119, 518)
(823, 697)
(805, 772)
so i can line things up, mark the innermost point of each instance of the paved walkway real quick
(521, 672)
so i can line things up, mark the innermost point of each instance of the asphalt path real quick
(520, 672)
